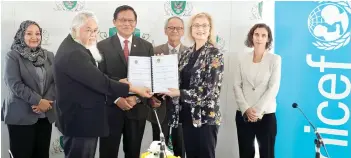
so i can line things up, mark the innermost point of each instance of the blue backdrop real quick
(313, 39)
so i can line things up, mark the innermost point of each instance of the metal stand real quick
(162, 138)
(318, 141)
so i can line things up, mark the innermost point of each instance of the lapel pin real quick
(134, 45)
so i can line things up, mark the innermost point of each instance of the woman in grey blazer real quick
(256, 85)
(27, 109)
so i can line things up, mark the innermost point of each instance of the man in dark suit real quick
(83, 91)
(128, 120)
(174, 29)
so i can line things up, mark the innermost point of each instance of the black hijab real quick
(36, 55)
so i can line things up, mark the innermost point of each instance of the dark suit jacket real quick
(83, 91)
(22, 83)
(115, 66)
(162, 110)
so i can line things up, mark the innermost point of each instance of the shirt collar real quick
(122, 39)
(177, 47)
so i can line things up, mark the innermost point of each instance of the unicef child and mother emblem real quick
(329, 24)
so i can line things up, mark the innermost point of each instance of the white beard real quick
(95, 52)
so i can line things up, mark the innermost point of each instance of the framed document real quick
(157, 72)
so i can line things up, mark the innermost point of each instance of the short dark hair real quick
(124, 8)
(249, 38)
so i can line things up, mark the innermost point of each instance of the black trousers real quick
(200, 142)
(177, 137)
(79, 147)
(133, 132)
(265, 132)
(30, 141)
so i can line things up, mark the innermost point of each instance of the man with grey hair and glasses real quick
(83, 91)
(174, 29)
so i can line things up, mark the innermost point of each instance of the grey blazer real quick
(165, 50)
(22, 83)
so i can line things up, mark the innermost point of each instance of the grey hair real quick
(79, 20)
(173, 17)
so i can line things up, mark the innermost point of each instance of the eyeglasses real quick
(130, 21)
(204, 26)
(172, 28)
(90, 31)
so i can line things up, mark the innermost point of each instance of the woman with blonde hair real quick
(197, 99)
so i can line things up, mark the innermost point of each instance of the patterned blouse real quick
(205, 86)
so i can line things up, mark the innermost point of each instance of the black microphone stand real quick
(318, 141)
(162, 138)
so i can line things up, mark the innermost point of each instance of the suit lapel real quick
(165, 49)
(31, 70)
(48, 74)
(117, 44)
(257, 77)
(134, 47)
(181, 49)
(247, 62)
(91, 57)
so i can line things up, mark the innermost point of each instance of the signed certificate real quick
(139, 71)
(157, 72)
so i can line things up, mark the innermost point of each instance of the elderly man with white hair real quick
(83, 91)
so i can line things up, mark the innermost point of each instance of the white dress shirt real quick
(121, 39)
(257, 84)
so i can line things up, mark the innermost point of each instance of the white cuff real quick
(116, 100)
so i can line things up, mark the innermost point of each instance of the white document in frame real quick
(165, 72)
(139, 71)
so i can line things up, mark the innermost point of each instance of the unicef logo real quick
(329, 24)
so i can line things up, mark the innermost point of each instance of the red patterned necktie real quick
(126, 49)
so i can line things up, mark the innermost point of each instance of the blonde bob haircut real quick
(211, 36)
